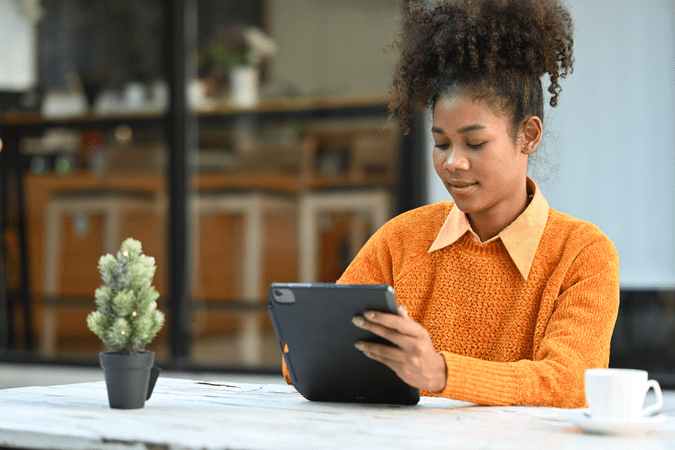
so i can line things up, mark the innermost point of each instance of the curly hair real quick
(495, 50)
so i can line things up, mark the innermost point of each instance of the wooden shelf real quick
(344, 181)
(19, 118)
(215, 181)
(282, 104)
(38, 187)
(272, 105)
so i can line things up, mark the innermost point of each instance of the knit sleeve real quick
(576, 337)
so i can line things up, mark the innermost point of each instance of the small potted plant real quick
(233, 57)
(127, 320)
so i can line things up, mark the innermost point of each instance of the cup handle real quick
(659, 398)
(154, 374)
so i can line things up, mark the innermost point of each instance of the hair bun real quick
(486, 37)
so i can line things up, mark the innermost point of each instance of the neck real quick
(489, 223)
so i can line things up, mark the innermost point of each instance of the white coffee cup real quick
(619, 394)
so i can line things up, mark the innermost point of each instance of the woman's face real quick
(481, 166)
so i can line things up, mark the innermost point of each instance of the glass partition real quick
(296, 162)
(294, 165)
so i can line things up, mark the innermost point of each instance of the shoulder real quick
(573, 228)
(399, 242)
(418, 226)
(428, 214)
(581, 259)
(410, 234)
(577, 239)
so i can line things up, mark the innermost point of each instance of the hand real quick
(414, 358)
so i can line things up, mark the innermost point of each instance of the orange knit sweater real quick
(505, 340)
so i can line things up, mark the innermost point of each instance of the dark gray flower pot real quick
(130, 378)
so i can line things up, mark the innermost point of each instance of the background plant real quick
(127, 318)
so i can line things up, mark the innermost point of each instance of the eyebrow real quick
(461, 130)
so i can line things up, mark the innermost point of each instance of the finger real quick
(384, 353)
(389, 334)
(388, 320)
(391, 364)
(403, 311)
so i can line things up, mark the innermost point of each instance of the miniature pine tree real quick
(127, 318)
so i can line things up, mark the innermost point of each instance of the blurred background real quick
(246, 142)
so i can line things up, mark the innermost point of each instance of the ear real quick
(531, 133)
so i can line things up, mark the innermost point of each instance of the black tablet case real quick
(323, 363)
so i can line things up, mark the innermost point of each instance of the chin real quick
(467, 206)
(464, 206)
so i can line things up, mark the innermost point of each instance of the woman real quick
(503, 300)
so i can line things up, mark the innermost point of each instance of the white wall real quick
(614, 134)
(17, 45)
(330, 47)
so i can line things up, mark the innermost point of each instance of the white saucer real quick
(580, 418)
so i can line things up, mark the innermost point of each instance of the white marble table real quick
(186, 414)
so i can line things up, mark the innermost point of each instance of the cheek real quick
(496, 167)
(498, 160)
(438, 160)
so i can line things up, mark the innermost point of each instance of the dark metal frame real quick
(10, 181)
(4, 305)
(411, 191)
(182, 135)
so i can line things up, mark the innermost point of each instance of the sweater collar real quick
(521, 237)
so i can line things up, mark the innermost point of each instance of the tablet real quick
(313, 324)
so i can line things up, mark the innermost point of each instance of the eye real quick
(442, 146)
(475, 146)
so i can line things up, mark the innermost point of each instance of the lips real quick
(461, 184)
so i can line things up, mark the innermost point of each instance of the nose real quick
(456, 160)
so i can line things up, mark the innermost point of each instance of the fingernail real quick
(359, 345)
(370, 315)
(358, 321)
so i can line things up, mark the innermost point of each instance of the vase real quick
(129, 378)
(244, 84)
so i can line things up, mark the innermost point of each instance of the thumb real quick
(403, 311)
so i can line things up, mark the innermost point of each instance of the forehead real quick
(458, 111)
